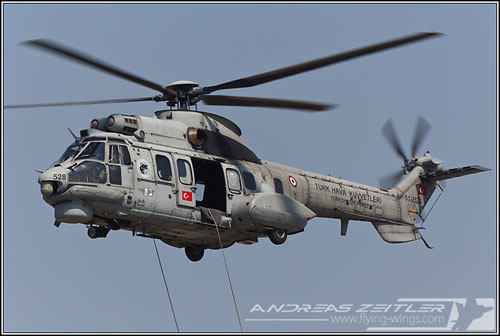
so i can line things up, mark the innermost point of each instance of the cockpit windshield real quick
(94, 150)
(91, 150)
(70, 152)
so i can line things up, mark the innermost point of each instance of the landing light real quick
(47, 189)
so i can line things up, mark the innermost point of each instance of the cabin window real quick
(88, 171)
(233, 180)
(249, 181)
(94, 150)
(184, 170)
(115, 174)
(278, 186)
(163, 167)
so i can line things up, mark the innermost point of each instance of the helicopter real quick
(185, 176)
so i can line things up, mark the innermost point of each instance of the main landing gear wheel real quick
(194, 253)
(97, 232)
(277, 236)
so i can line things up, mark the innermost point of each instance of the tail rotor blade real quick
(421, 130)
(390, 180)
(389, 133)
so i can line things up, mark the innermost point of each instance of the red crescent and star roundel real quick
(293, 181)
(187, 196)
(422, 190)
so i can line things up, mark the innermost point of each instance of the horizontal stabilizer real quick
(396, 233)
(452, 173)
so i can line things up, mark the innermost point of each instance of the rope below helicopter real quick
(166, 286)
(433, 204)
(227, 270)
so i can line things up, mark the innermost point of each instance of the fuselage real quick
(158, 182)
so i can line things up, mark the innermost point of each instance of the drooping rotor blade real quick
(390, 134)
(317, 63)
(91, 102)
(78, 56)
(390, 180)
(421, 130)
(264, 102)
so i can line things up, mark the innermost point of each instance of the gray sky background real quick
(59, 280)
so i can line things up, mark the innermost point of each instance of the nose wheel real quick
(194, 253)
(277, 236)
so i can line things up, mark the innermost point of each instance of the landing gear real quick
(97, 232)
(194, 253)
(277, 236)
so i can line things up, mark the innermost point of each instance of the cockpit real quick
(97, 158)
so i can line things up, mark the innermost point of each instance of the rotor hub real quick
(182, 85)
(180, 94)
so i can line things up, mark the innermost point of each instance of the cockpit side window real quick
(94, 150)
(115, 174)
(119, 154)
(114, 155)
(125, 155)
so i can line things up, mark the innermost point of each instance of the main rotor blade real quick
(92, 102)
(78, 56)
(421, 130)
(390, 180)
(264, 102)
(390, 134)
(317, 63)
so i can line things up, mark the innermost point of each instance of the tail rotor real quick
(422, 129)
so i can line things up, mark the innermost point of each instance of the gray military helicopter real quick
(185, 177)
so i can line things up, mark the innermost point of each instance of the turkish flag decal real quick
(422, 190)
(187, 196)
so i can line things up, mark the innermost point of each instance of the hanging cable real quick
(227, 270)
(165, 281)
(432, 207)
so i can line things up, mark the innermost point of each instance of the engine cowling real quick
(120, 123)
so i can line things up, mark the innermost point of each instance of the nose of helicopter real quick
(53, 180)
